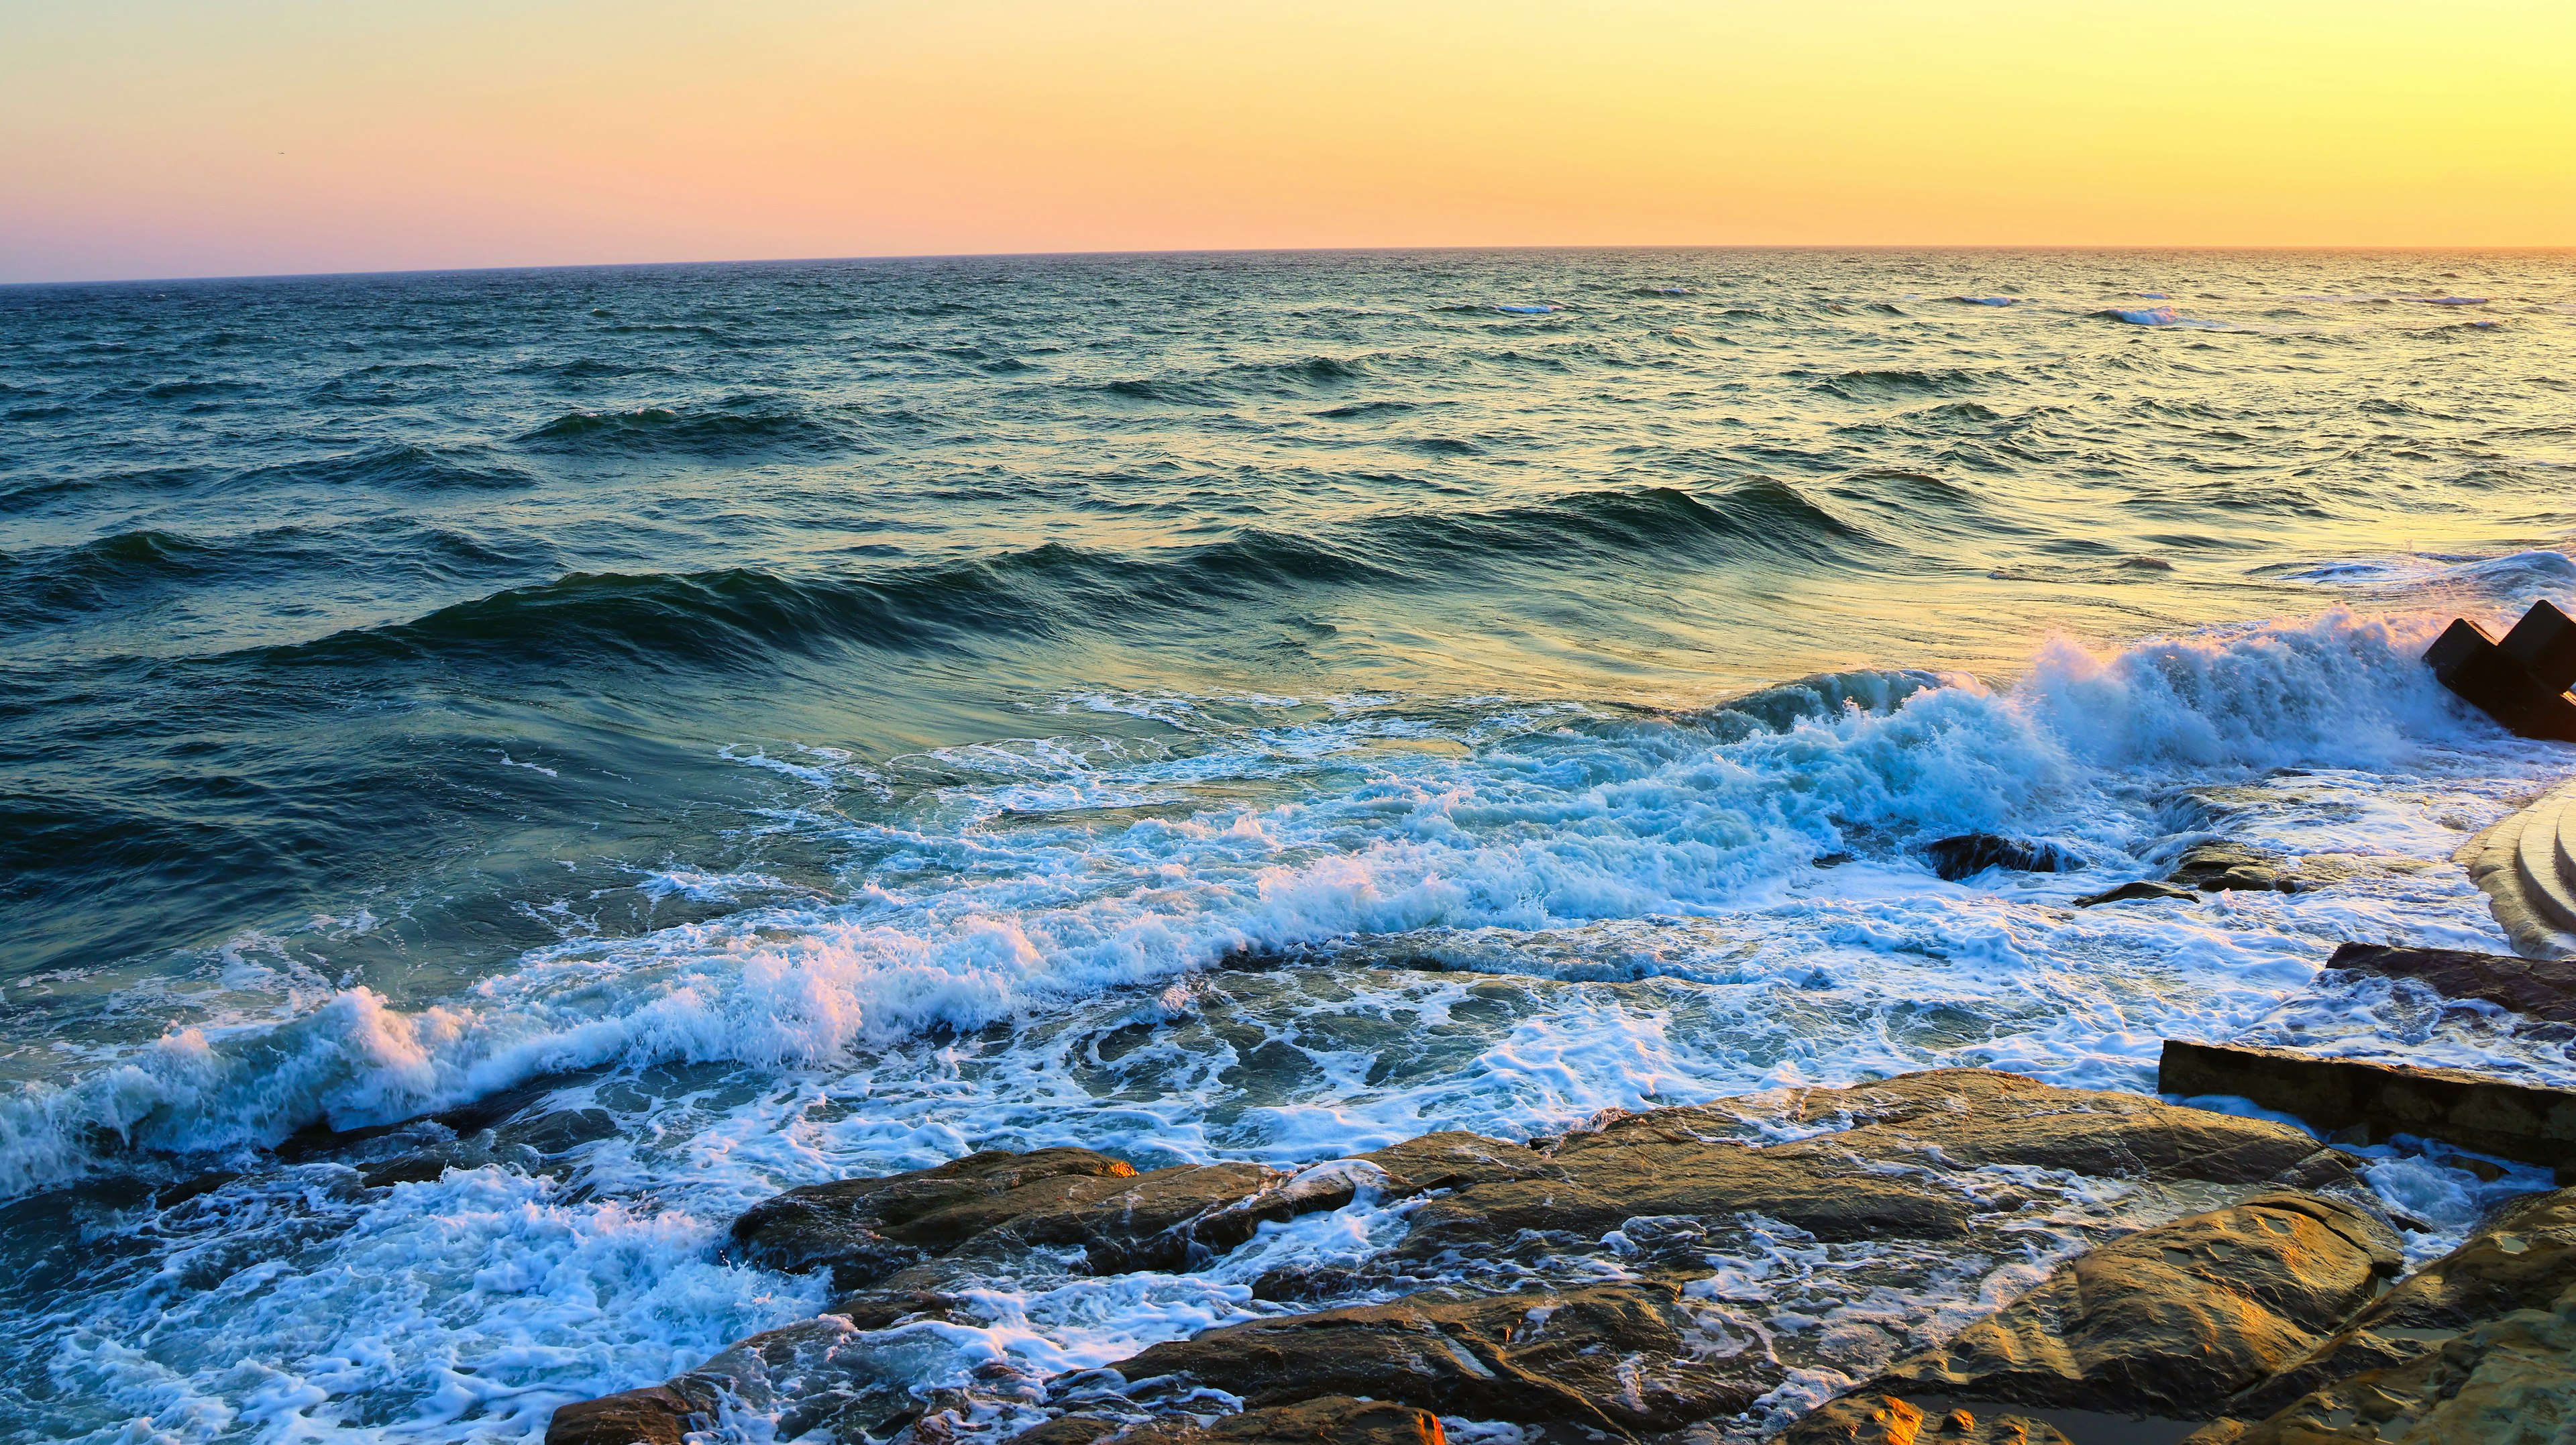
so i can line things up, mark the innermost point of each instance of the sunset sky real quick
(159, 138)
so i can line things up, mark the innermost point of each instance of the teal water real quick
(723, 684)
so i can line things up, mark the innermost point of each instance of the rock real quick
(2219, 867)
(868, 1231)
(1615, 1358)
(655, 1415)
(1332, 1420)
(2137, 891)
(2524, 1258)
(1875, 1419)
(1681, 1162)
(2540, 988)
(2170, 1321)
(2511, 1381)
(2528, 1122)
(1969, 854)
(2499, 683)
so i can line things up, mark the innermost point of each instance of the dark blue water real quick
(414, 685)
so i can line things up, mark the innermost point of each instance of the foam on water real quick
(1521, 822)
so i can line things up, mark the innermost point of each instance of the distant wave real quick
(2161, 316)
(726, 430)
(741, 617)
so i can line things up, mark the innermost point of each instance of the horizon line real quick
(1132, 253)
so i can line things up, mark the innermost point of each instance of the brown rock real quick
(2170, 1321)
(1684, 1162)
(655, 1415)
(2511, 1381)
(2528, 1122)
(2525, 1258)
(870, 1231)
(1875, 1419)
(2541, 988)
(1332, 1420)
(2231, 867)
(866, 1229)
(1611, 1357)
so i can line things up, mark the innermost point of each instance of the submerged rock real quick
(1615, 1358)
(2135, 891)
(1331, 1420)
(2170, 1321)
(2528, 1122)
(1969, 854)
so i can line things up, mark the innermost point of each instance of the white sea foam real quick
(1627, 909)
(962, 925)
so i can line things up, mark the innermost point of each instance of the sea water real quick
(835, 716)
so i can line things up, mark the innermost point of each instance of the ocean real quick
(832, 716)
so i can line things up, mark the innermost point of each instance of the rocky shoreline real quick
(2118, 1269)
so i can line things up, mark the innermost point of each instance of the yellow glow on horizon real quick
(144, 137)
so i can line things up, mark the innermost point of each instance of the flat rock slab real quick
(2540, 988)
(1333, 1420)
(1616, 1358)
(2170, 1321)
(2528, 1122)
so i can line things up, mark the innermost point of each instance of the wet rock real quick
(824, 1374)
(2136, 891)
(559, 1132)
(2540, 988)
(1614, 1358)
(1876, 1419)
(2221, 867)
(1333, 1420)
(867, 1231)
(1934, 1126)
(2533, 1124)
(2511, 1381)
(1969, 854)
(2524, 1258)
(2170, 1321)
(475, 1151)
(655, 1415)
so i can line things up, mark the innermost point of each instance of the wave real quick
(1527, 826)
(736, 618)
(729, 429)
(390, 466)
(2161, 316)
(1864, 385)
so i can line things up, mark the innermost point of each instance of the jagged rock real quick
(2511, 1381)
(2219, 867)
(1969, 854)
(2528, 1122)
(2524, 1258)
(1682, 1162)
(2137, 890)
(1332, 1420)
(2541, 988)
(868, 1231)
(1615, 1358)
(655, 1415)
(1875, 1419)
(2170, 1321)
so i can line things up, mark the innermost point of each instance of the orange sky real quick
(182, 138)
